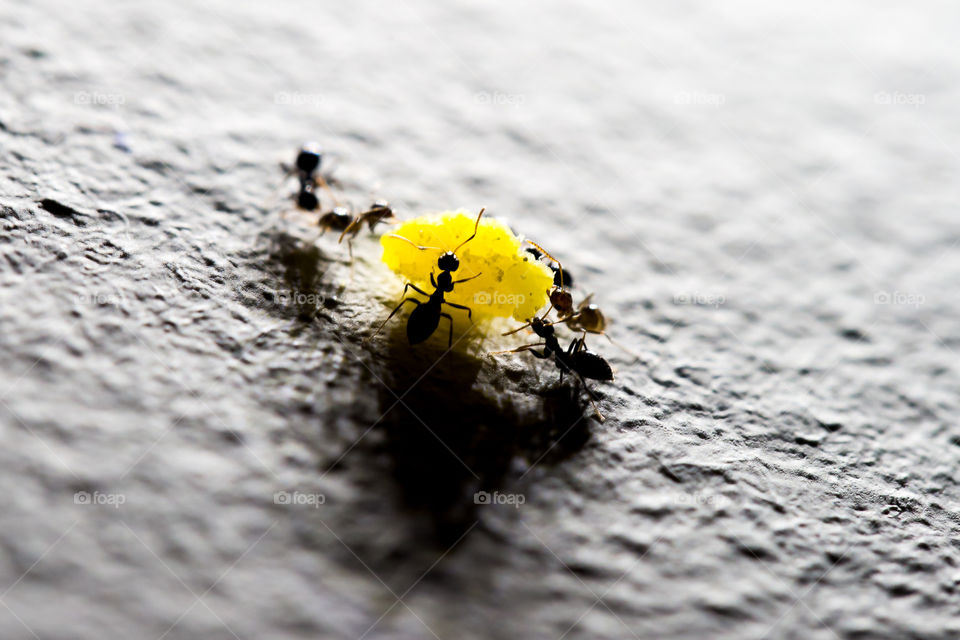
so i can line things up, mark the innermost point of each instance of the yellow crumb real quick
(512, 282)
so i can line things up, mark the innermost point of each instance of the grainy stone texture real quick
(763, 199)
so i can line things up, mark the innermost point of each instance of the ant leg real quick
(450, 339)
(460, 306)
(350, 227)
(468, 279)
(392, 313)
(526, 347)
(433, 280)
(592, 399)
(520, 328)
(319, 179)
(415, 288)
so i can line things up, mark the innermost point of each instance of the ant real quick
(425, 319)
(306, 167)
(379, 211)
(337, 220)
(561, 279)
(560, 298)
(577, 359)
(587, 316)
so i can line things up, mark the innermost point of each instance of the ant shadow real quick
(456, 424)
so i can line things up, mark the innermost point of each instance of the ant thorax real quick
(445, 281)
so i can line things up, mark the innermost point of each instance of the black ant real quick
(379, 211)
(425, 319)
(307, 167)
(560, 298)
(577, 359)
(561, 278)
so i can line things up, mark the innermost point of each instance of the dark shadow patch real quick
(62, 211)
(296, 287)
(854, 335)
(454, 426)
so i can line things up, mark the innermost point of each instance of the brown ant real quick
(587, 318)
(338, 219)
(379, 211)
(577, 359)
(425, 319)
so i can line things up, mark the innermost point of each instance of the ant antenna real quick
(521, 327)
(475, 227)
(420, 247)
(546, 253)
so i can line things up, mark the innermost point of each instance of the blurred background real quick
(762, 198)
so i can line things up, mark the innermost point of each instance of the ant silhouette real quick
(379, 211)
(577, 359)
(425, 319)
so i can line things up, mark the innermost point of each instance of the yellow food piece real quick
(512, 282)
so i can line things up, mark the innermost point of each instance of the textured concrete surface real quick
(762, 197)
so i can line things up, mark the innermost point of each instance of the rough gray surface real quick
(738, 185)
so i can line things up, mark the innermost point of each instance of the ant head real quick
(562, 301)
(448, 261)
(541, 327)
(308, 159)
(380, 204)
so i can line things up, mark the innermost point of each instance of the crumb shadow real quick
(447, 422)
